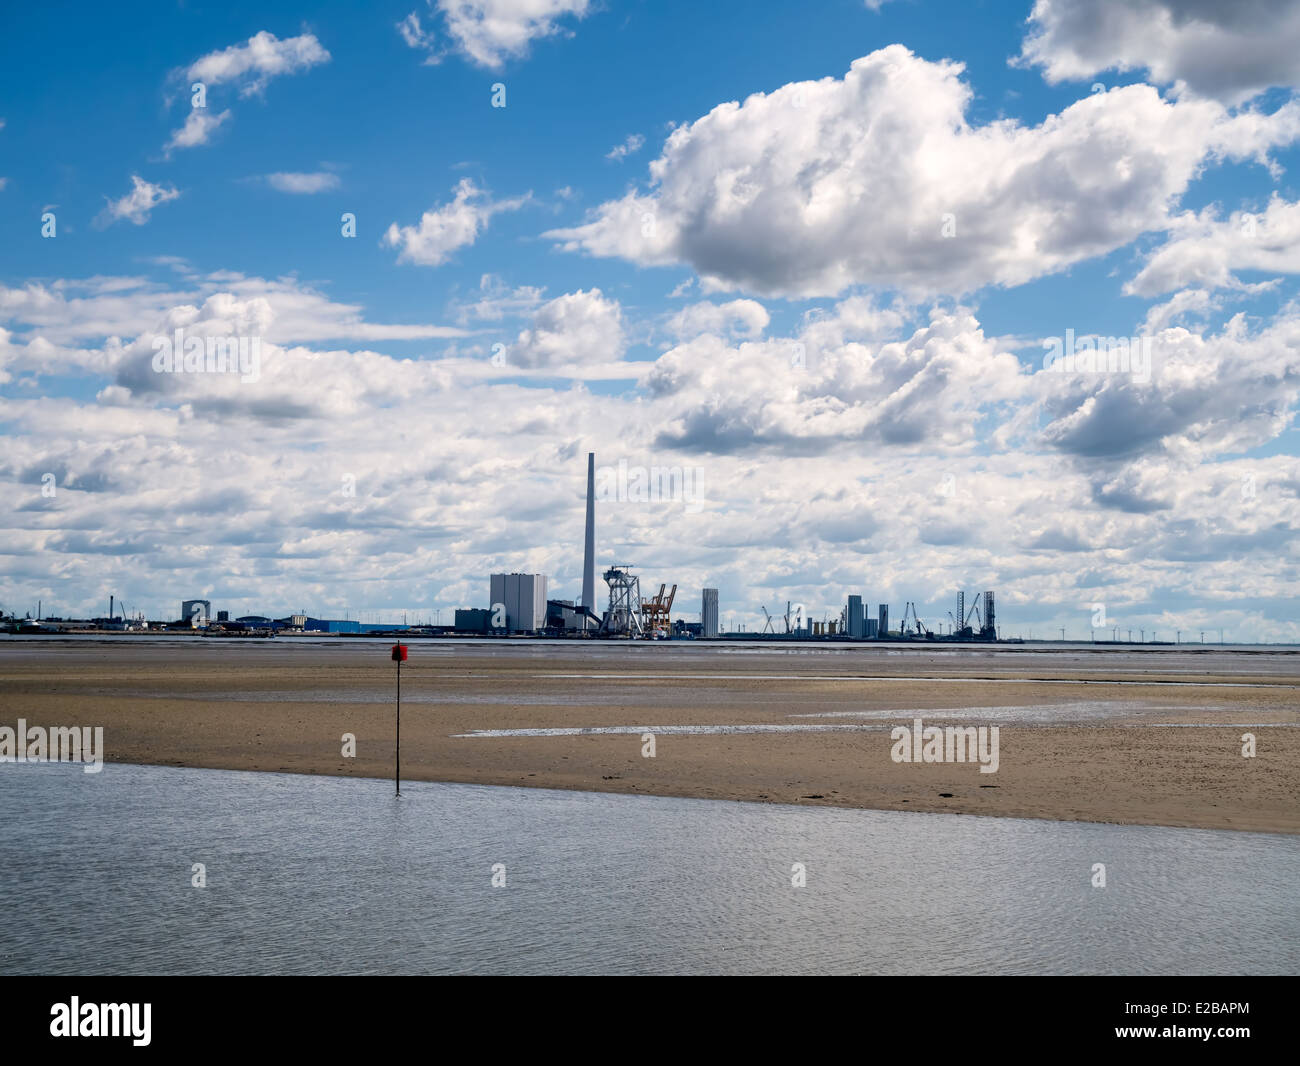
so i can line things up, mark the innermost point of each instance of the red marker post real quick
(399, 657)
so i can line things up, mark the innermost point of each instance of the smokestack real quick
(110, 608)
(589, 554)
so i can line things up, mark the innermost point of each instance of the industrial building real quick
(473, 620)
(882, 625)
(564, 617)
(709, 614)
(855, 618)
(524, 599)
(196, 612)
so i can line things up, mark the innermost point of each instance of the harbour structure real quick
(989, 630)
(656, 612)
(566, 618)
(623, 618)
(982, 611)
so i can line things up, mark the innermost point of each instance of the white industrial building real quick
(524, 599)
(709, 614)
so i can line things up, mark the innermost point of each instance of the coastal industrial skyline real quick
(799, 619)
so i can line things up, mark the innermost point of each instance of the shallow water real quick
(328, 875)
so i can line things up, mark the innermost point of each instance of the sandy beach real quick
(1102, 735)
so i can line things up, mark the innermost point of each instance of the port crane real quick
(962, 627)
(655, 612)
(916, 627)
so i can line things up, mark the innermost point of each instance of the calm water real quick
(324, 875)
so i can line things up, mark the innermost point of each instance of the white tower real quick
(589, 555)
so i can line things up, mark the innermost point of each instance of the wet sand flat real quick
(1089, 734)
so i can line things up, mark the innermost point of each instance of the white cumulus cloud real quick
(136, 205)
(417, 37)
(879, 178)
(576, 329)
(1230, 51)
(491, 31)
(1206, 252)
(199, 126)
(744, 318)
(261, 58)
(442, 230)
(632, 145)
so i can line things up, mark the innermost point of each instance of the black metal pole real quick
(397, 765)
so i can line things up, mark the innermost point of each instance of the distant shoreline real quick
(823, 643)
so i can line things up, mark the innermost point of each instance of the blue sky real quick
(799, 164)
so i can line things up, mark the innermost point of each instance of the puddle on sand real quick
(671, 730)
(882, 721)
(1073, 711)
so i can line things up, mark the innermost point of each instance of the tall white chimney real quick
(589, 555)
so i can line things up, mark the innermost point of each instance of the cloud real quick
(1227, 51)
(67, 314)
(573, 330)
(1207, 395)
(136, 205)
(444, 229)
(1182, 306)
(491, 31)
(821, 389)
(878, 178)
(199, 126)
(419, 38)
(495, 301)
(253, 64)
(1206, 252)
(745, 318)
(303, 184)
(630, 146)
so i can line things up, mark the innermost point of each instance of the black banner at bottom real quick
(143, 1015)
